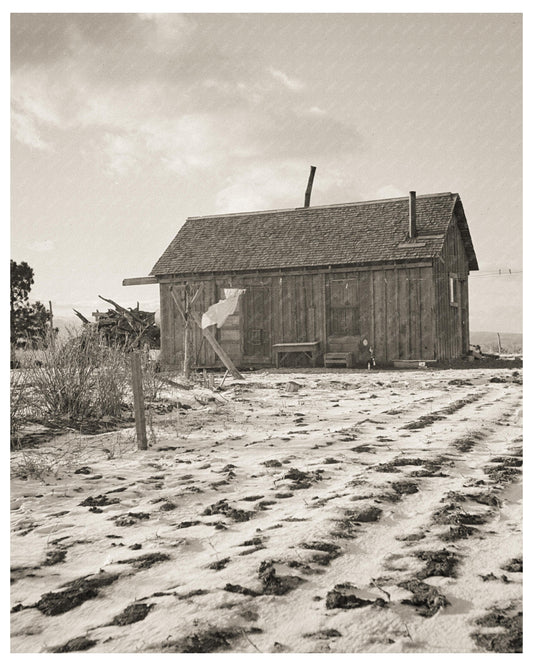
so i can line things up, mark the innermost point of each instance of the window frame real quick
(453, 283)
(344, 312)
(339, 320)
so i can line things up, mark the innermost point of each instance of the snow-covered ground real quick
(364, 512)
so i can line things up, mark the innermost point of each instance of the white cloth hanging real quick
(219, 312)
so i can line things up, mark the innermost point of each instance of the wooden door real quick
(257, 320)
(344, 328)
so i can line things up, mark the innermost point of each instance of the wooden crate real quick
(338, 358)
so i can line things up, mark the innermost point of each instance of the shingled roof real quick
(361, 233)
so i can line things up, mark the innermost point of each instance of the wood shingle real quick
(343, 234)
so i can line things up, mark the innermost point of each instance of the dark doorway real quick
(257, 315)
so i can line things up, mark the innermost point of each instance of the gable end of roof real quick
(465, 234)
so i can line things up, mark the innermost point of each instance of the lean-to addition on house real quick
(389, 274)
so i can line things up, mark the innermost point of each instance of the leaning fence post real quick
(138, 401)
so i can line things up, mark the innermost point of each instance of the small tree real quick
(29, 321)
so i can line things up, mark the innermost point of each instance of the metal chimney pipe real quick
(307, 200)
(412, 214)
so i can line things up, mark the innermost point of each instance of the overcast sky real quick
(123, 125)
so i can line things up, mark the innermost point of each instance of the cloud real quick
(277, 184)
(258, 188)
(388, 192)
(42, 246)
(286, 133)
(122, 153)
(25, 130)
(316, 111)
(169, 30)
(33, 94)
(43, 99)
(167, 91)
(292, 84)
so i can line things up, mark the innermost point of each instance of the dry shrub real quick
(18, 403)
(41, 464)
(35, 465)
(153, 383)
(78, 378)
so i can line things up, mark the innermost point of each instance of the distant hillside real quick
(488, 341)
(67, 324)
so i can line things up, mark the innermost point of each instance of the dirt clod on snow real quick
(74, 594)
(509, 639)
(78, 644)
(438, 563)
(131, 614)
(340, 598)
(426, 598)
(99, 500)
(274, 584)
(514, 566)
(146, 561)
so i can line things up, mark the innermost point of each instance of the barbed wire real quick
(508, 273)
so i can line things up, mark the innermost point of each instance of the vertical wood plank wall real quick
(397, 308)
(451, 321)
(169, 336)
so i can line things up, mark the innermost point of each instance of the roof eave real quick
(307, 267)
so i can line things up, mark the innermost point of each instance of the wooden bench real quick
(338, 358)
(283, 349)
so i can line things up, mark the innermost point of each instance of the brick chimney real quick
(412, 214)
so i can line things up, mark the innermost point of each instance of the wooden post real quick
(499, 344)
(208, 335)
(223, 356)
(223, 379)
(187, 337)
(51, 323)
(138, 401)
(189, 302)
(187, 348)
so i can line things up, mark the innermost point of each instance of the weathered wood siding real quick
(392, 307)
(169, 342)
(172, 324)
(396, 313)
(451, 319)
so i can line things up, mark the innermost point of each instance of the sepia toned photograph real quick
(266, 333)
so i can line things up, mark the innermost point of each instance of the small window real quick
(345, 321)
(255, 336)
(453, 290)
(344, 307)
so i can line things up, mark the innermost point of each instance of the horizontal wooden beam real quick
(131, 282)
(276, 273)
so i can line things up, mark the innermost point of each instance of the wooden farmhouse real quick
(325, 281)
